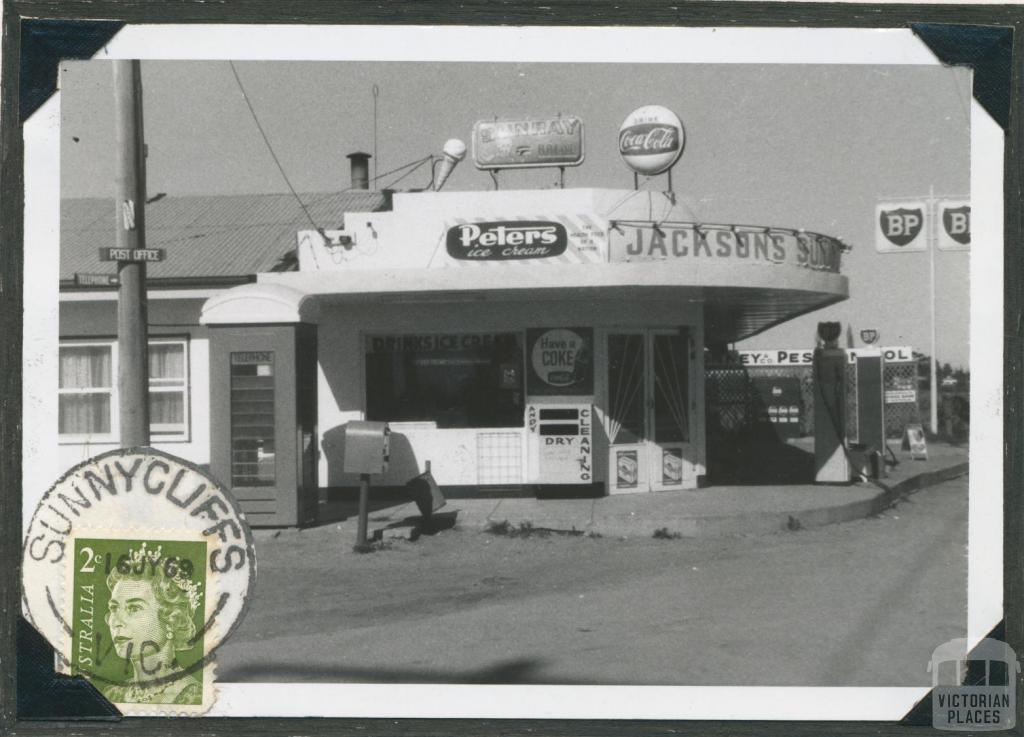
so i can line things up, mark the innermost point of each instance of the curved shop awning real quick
(260, 304)
(740, 298)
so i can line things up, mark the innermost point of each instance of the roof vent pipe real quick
(360, 169)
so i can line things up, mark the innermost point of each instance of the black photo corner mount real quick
(42, 693)
(45, 694)
(921, 713)
(987, 49)
(44, 43)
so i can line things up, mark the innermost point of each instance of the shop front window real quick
(455, 380)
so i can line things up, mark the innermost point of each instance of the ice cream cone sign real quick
(454, 151)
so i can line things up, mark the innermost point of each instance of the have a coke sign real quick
(651, 139)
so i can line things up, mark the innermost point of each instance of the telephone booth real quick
(263, 403)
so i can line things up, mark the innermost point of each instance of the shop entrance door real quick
(649, 418)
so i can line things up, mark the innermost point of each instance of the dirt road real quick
(857, 604)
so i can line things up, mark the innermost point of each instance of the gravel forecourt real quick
(861, 603)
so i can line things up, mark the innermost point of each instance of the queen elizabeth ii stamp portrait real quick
(136, 566)
(137, 621)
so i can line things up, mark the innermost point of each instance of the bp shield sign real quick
(900, 227)
(954, 225)
(869, 336)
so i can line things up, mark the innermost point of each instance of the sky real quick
(803, 146)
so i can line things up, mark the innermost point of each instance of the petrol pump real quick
(560, 405)
(831, 465)
(871, 410)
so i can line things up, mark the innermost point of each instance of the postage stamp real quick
(138, 608)
(136, 566)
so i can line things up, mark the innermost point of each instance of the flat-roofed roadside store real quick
(510, 338)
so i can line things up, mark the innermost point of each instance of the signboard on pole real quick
(132, 254)
(901, 227)
(96, 280)
(927, 224)
(953, 225)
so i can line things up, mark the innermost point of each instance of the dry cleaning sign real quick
(561, 361)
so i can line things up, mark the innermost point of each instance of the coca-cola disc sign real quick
(651, 139)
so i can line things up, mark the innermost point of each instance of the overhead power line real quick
(270, 148)
(416, 164)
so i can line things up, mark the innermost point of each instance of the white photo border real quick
(669, 45)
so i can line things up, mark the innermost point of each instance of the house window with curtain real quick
(168, 389)
(86, 391)
(87, 386)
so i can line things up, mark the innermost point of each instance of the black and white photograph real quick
(514, 372)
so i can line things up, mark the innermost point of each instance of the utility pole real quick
(375, 184)
(133, 352)
(933, 243)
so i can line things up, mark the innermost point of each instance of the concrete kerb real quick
(894, 493)
(540, 516)
(699, 513)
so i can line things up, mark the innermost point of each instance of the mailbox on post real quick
(367, 449)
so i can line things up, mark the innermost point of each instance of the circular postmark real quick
(136, 566)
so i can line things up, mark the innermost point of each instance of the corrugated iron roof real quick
(205, 236)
